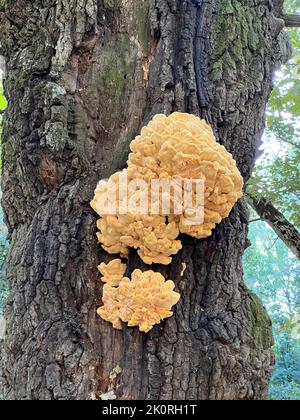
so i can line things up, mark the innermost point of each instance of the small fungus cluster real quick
(112, 272)
(177, 147)
(143, 301)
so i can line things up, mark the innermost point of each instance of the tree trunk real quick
(83, 76)
(285, 230)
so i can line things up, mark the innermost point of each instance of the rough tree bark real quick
(286, 231)
(83, 76)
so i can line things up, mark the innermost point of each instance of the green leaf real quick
(3, 103)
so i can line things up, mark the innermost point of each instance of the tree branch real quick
(289, 142)
(255, 220)
(276, 220)
(291, 21)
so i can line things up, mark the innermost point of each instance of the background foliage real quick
(272, 272)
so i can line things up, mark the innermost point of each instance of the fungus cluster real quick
(174, 148)
(144, 300)
(180, 146)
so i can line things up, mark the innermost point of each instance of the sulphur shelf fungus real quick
(174, 149)
(112, 272)
(143, 301)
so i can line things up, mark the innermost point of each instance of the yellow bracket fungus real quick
(112, 272)
(178, 146)
(110, 312)
(143, 301)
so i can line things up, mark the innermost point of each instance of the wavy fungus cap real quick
(110, 311)
(183, 145)
(146, 300)
(154, 236)
(113, 272)
(180, 145)
(143, 301)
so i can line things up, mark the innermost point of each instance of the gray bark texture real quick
(83, 76)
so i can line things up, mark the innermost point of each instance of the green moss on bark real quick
(261, 326)
(8, 153)
(234, 37)
(115, 80)
(142, 24)
(109, 4)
